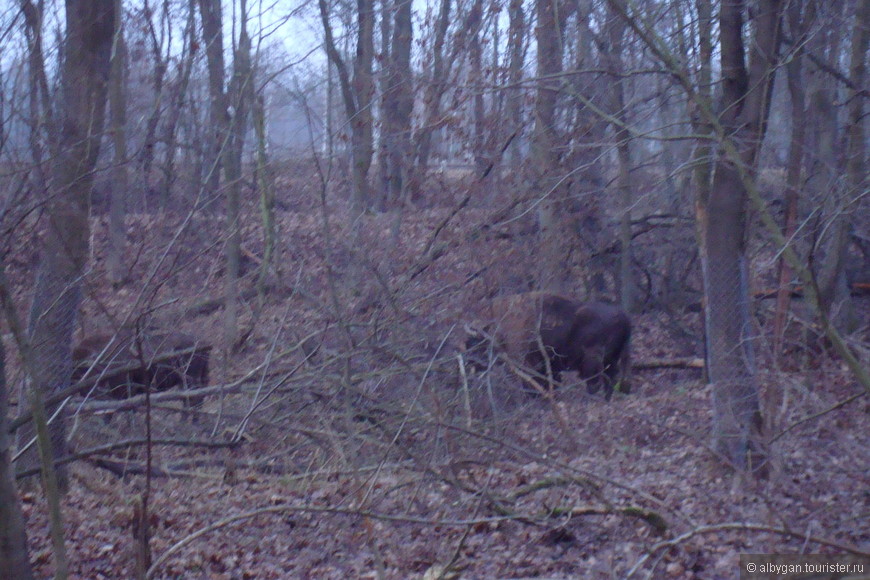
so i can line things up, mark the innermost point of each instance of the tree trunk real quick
(218, 125)
(588, 129)
(241, 95)
(266, 185)
(476, 81)
(824, 182)
(119, 193)
(399, 103)
(57, 295)
(436, 86)
(737, 422)
(381, 198)
(612, 52)
(150, 141)
(177, 95)
(39, 106)
(793, 178)
(856, 154)
(543, 151)
(357, 94)
(514, 106)
(14, 557)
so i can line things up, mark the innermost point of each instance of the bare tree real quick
(178, 93)
(119, 193)
(799, 15)
(856, 151)
(14, 558)
(544, 153)
(158, 77)
(824, 176)
(737, 423)
(241, 95)
(612, 55)
(433, 93)
(39, 94)
(516, 58)
(357, 93)
(398, 104)
(476, 82)
(79, 126)
(385, 64)
(448, 56)
(218, 126)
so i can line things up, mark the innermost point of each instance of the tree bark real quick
(514, 106)
(856, 152)
(824, 182)
(241, 95)
(357, 94)
(856, 145)
(545, 159)
(737, 422)
(159, 77)
(218, 126)
(178, 92)
(57, 295)
(793, 179)
(14, 557)
(476, 81)
(613, 59)
(398, 105)
(39, 105)
(119, 193)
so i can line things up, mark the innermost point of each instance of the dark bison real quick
(125, 363)
(537, 329)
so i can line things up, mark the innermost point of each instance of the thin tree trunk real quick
(702, 155)
(543, 150)
(737, 422)
(14, 556)
(399, 102)
(588, 128)
(514, 106)
(241, 95)
(38, 94)
(330, 106)
(150, 141)
(824, 182)
(613, 60)
(856, 154)
(476, 81)
(119, 193)
(795, 165)
(357, 94)
(267, 194)
(178, 94)
(381, 199)
(218, 125)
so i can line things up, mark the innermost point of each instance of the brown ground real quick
(363, 460)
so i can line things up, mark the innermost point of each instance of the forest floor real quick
(348, 444)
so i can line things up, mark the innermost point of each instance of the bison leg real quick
(593, 373)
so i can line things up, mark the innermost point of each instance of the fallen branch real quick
(674, 363)
(667, 544)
